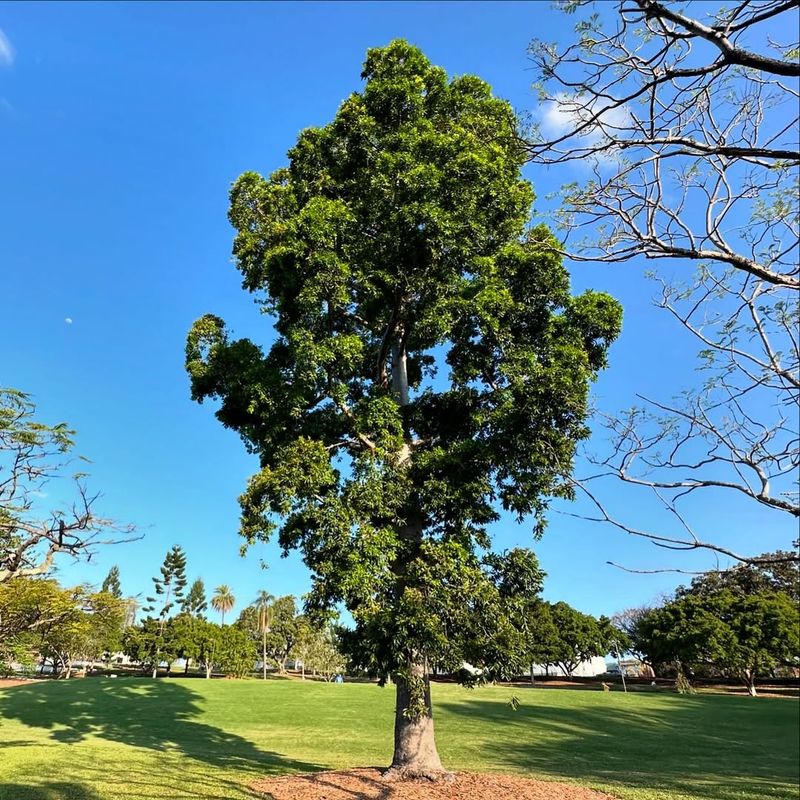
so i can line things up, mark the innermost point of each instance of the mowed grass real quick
(138, 739)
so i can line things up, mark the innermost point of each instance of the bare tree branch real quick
(31, 454)
(685, 127)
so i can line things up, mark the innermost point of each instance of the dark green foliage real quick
(111, 582)
(195, 601)
(236, 654)
(430, 364)
(579, 637)
(746, 579)
(149, 643)
(170, 584)
(741, 636)
(283, 630)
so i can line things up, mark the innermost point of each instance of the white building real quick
(586, 669)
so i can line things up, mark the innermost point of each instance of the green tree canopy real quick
(739, 635)
(429, 365)
(772, 572)
(111, 582)
(580, 637)
(195, 601)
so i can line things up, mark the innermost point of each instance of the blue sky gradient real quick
(122, 127)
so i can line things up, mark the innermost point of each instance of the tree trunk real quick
(208, 671)
(750, 682)
(186, 668)
(533, 677)
(415, 754)
(264, 655)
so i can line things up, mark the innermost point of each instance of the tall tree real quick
(169, 588)
(195, 601)
(223, 600)
(430, 364)
(31, 453)
(263, 606)
(283, 630)
(686, 118)
(111, 582)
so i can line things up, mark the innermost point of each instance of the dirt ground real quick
(368, 784)
(10, 682)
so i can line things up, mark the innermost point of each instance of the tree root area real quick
(371, 784)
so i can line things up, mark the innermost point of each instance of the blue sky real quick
(121, 129)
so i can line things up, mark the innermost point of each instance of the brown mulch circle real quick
(369, 784)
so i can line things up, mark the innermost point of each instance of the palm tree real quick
(223, 600)
(263, 605)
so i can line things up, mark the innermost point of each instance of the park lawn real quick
(139, 739)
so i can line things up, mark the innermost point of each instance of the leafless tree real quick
(686, 129)
(31, 455)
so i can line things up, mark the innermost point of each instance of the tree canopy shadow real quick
(722, 748)
(154, 714)
(48, 791)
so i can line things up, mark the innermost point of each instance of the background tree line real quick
(741, 624)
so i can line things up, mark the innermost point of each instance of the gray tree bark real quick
(415, 754)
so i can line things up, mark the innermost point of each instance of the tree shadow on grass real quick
(722, 748)
(49, 791)
(154, 714)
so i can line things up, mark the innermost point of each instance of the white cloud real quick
(68, 320)
(561, 117)
(565, 113)
(6, 50)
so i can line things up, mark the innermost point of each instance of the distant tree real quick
(579, 637)
(111, 582)
(207, 643)
(263, 607)
(195, 601)
(227, 648)
(223, 600)
(542, 638)
(630, 622)
(765, 633)
(237, 654)
(740, 635)
(317, 647)
(31, 453)
(28, 609)
(169, 591)
(283, 632)
(92, 627)
(184, 631)
(149, 643)
(397, 243)
(107, 621)
(773, 572)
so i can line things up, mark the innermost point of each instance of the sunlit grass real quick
(137, 739)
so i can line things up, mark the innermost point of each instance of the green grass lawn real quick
(106, 739)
